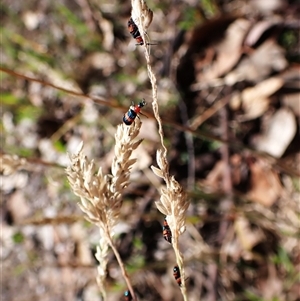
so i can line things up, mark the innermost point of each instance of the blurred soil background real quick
(228, 88)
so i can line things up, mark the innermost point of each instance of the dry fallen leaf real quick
(267, 58)
(262, 90)
(280, 132)
(265, 184)
(258, 30)
(254, 109)
(255, 100)
(228, 51)
(215, 178)
(267, 7)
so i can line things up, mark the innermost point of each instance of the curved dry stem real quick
(173, 202)
(122, 267)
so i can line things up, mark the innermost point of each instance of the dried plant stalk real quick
(173, 202)
(101, 195)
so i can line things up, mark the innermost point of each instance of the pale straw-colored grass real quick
(101, 195)
(173, 201)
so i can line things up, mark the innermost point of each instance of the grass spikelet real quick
(101, 195)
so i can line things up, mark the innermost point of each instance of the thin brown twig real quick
(238, 146)
(209, 112)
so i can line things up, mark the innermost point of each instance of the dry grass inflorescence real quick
(223, 84)
(101, 195)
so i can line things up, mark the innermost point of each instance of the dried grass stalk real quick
(101, 195)
(173, 202)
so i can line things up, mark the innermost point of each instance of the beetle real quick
(127, 296)
(177, 276)
(134, 31)
(133, 112)
(167, 232)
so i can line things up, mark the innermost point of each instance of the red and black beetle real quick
(133, 112)
(167, 232)
(134, 31)
(177, 276)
